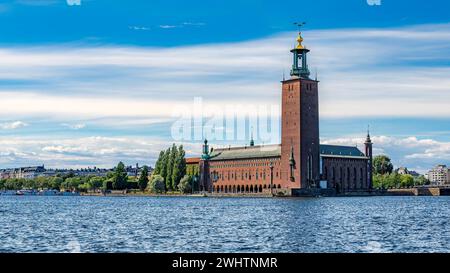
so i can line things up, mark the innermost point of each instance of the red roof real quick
(193, 160)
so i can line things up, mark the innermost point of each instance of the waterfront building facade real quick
(300, 163)
(439, 175)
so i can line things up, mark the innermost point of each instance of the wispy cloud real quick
(76, 126)
(184, 24)
(139, 28)
(13, 125)
(167, 26)
(407, 78)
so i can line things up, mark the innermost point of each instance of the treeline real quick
(116, 180)
(59, 183)
(384, 176)
(169, 175)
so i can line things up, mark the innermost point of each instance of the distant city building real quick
(439, 175)
(22, 172)
(40, 171)
(404, 170)
(136, 170)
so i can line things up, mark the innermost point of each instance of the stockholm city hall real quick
(299, 165)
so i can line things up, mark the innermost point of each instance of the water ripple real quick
(97, 224)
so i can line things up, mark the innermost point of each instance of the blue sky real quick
(92, 84)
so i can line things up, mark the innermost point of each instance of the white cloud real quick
(13, 125)
(364, 72)
(83, 151)
(76, 126)
(138, 28)
(167, 26)
(411, 152)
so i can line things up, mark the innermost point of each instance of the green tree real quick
(170, 167)
(96, 182)
(56, 183)
(143, 179)
(164, 164)
(157, 184)
(14, 184)
(407, 181)
(185, 185)
(159, 162)
(179, 167)
(30, 184)
(120, 178)
(382, 165)
(421, 180)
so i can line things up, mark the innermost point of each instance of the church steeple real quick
(300, 63)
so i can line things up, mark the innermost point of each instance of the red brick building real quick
(299, 163)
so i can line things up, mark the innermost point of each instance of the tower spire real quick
(252, 142)
(368, 140)
(300, 64)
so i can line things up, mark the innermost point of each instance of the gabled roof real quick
(251, 152)
(340, 151)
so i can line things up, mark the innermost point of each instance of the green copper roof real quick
(334, 150)
(253, 152)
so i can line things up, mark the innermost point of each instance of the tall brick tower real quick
(300, 124)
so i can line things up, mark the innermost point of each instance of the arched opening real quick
(334, 177)
(348, 178)
(251, 188)
(279, 186)
(260, 188)
(234, 188)
(246, 188)
(361, 177)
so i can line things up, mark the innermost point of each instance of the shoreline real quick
(314, 193)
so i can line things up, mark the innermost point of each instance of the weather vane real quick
(300, 25)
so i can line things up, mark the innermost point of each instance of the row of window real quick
(247, 175)
(243, 189)
(345, 176)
